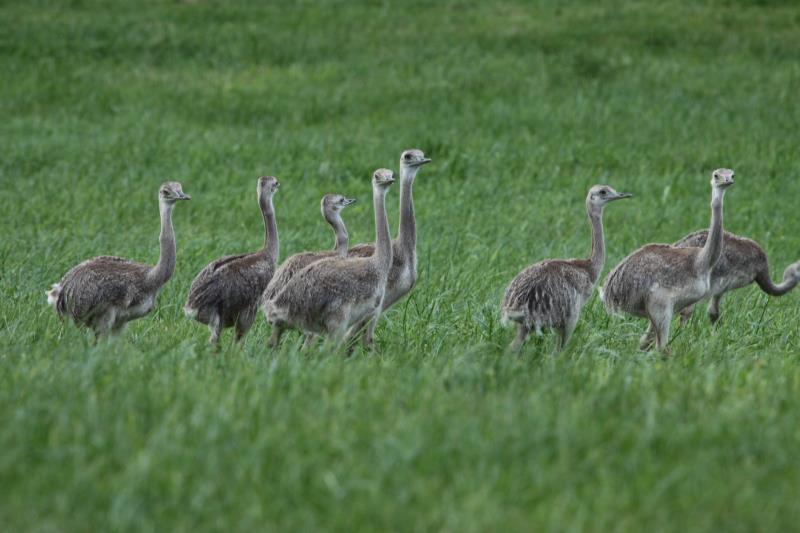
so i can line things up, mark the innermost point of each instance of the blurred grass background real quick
(522, 106)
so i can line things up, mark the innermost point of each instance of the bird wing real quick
(93, 286)
(290, 268)
(233, 282)
(361, 250)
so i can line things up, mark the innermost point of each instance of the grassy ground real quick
(522, 105)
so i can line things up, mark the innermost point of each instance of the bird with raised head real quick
(403, 274)
(330, 296)
(107, 292)
(227, 291)
(658, 280)
(551, 293)
(331, 206)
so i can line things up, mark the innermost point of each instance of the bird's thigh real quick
(246, 317)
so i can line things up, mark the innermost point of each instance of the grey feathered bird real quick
(331, 206)
(403, 274)
(107, 292)
(658, 280)
(226, 293)
(550, 294)
(332, 295)
(743, 262)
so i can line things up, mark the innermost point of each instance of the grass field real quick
(522, 105)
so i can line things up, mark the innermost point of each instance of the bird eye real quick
(603, 193)
(407, 157)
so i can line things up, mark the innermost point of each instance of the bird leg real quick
(367, 325)
(713, 308)
(661, 324)
(213, 326)
(309, 341)
(566, 331)
(243, 324)
(647, 340)
(370, 331)
(336, 327)
(118, 327)
(686, 314)
(275, 338)
(522, 333)
(103, 324)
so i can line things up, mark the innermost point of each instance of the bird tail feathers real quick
(53, 295)
(511, 315)
(55, 298)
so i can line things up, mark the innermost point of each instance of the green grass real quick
(523, 106)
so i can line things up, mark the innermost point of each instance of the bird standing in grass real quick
(332, 295)
(226, 293)
(331, 207)
(551, 293)
(742, 262)
(403, 274)
(658, 280)
(107, 292)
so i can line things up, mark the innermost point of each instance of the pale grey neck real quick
(342, 239)
(165, 267)
(407, 228)
(788, 283)
(271, 244)
(383, 242)
(598, 257)
(712, 250)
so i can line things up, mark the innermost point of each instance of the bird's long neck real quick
(598, 257)
(383, 243)
(340, 234)
(407, 228)
(271, 244)
(165, 267)
(788, 283)
(712, 250)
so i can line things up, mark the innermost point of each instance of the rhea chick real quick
(105, 293)
(743, 262)
(550, 294)
(332, 295)
(331, 207)
(226, 293)
(403, 274)
(658, 280)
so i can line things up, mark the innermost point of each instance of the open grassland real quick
(522, 105)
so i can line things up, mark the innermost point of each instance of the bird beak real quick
(184, 196)
(348, 201)
(421, 162)
(622, 195)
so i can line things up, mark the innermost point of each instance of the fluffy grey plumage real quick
(331, 206)
(107, 292)
(226, 293)
(332, 295)
(658, 280)
(550, 294)
(742, 262)
(403, 273)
